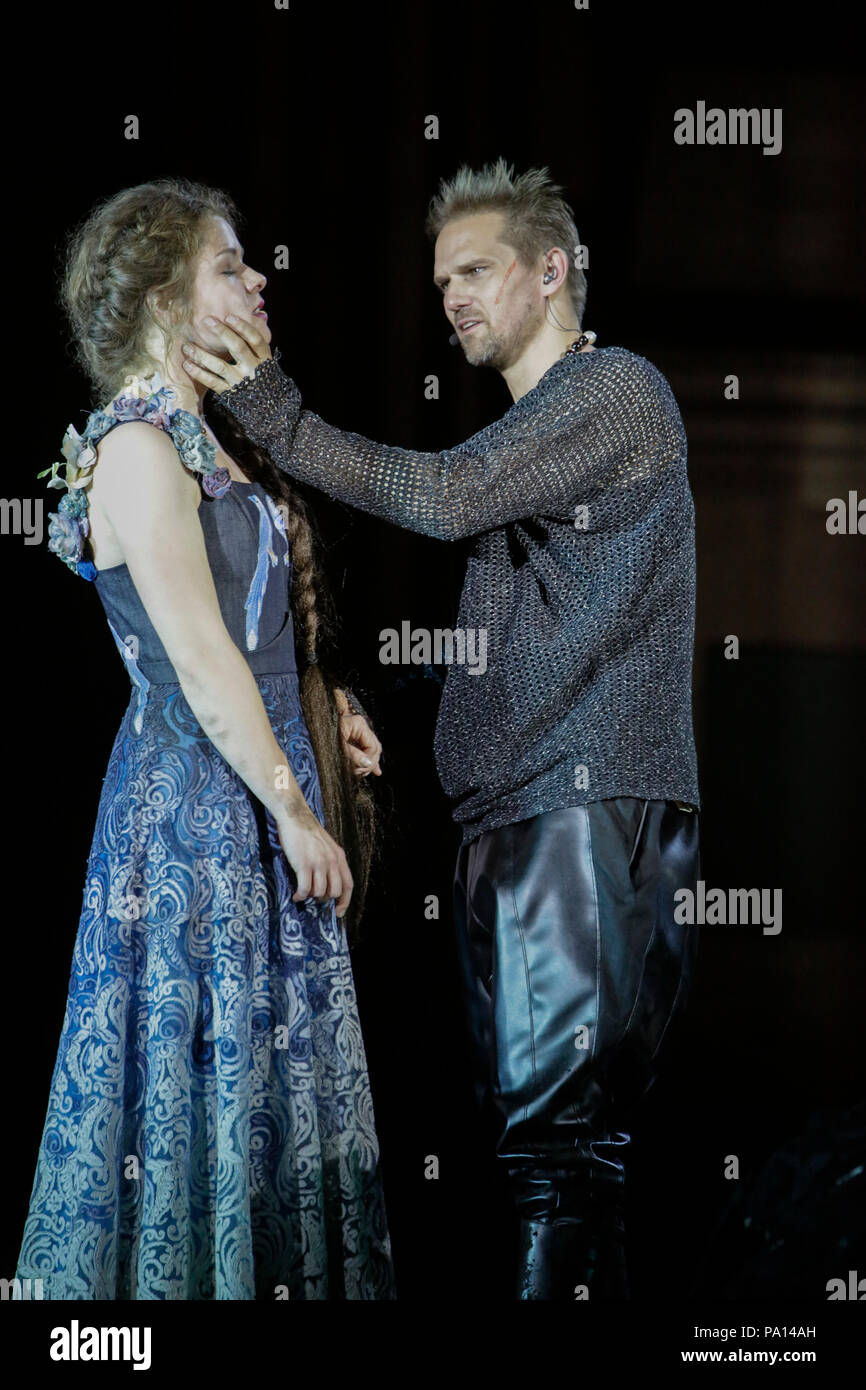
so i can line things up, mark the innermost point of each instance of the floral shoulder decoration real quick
(142, 399)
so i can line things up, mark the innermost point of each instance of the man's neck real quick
(536, 358)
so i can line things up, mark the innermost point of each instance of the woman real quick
(210, 1131)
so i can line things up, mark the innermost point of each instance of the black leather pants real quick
(574, 972)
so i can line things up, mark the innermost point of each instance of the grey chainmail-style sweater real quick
(581, 574)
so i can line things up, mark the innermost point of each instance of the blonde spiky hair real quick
(536, 215)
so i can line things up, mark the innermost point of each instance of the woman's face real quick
(225, 285)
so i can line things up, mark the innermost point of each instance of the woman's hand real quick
(246, 345)
(360, 744)
(320, 865)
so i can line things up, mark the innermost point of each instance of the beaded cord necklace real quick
(585, 340)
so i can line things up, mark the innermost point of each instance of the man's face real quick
(491, 298)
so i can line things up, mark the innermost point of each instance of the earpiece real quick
(551, 275)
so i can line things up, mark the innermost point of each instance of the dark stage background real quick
(709, 261)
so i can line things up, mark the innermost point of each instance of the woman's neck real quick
(187, 394)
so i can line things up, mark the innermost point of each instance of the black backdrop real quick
(707, 261)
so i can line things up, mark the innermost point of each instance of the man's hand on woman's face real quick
(243, 341)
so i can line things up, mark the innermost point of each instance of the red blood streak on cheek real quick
(505, 281)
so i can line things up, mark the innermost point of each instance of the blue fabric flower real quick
(217, 483)
(192, 443)
(184, 426)
(74, 502)
(65, 537)
(98, 423)
(153, 409)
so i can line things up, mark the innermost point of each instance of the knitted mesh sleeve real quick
(563, 439)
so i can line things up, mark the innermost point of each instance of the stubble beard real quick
(500, 350)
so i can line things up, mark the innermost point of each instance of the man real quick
(571, 759)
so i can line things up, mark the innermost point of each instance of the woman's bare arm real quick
(146, 497)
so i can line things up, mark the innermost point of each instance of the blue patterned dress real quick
(210, 1130)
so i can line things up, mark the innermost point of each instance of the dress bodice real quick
(244, 534)
(248, 553)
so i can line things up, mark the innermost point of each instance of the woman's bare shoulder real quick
(142, 455)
